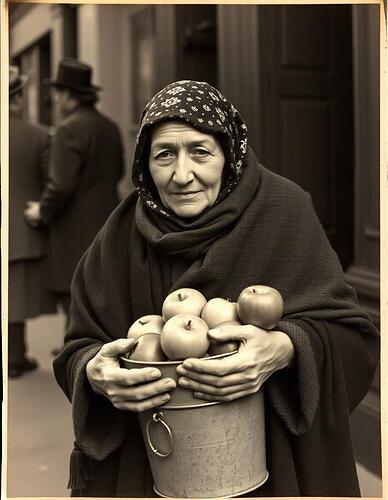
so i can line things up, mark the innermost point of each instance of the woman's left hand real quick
(261, 353)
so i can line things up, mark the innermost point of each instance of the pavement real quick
(40, 435)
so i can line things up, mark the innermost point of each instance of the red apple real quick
(183, 301)
(184, 336)
(261, 306)
(224, 347)
(152, 323)
(218, 311)
(147, 348)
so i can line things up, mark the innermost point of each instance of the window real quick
(35, 63)
(143, 60)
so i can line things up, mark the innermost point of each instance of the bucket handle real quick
(158, 418)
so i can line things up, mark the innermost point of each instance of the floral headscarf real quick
(203, 107)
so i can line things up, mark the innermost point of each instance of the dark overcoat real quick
(28, 159)
(28, 164)
(86, 164)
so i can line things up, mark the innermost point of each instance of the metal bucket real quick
(199, 449)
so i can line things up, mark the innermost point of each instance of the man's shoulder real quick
(86, 118)
(30, 130)
(109, 123)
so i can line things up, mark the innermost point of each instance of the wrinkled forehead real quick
(175, 130)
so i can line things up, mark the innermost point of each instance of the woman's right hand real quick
(137, 389)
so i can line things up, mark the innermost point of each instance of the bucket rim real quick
(189, 407)
(175, 362)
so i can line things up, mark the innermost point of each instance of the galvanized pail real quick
(200, 449)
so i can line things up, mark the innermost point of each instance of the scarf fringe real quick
(80, 470)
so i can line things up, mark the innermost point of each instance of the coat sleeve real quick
(333, 370)
(99, 428)
(66, 161)
(95, 319)
(44, 166)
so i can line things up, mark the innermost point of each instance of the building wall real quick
(101, 43)
(104, 41)
(29, 28)
(364, 274)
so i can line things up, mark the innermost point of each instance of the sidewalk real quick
(40, 435)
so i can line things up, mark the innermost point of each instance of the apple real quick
(224, 347)
(184, 336)
(183, 301)
(147, 348)
(152, 323)
(261, 306)
(218, 311)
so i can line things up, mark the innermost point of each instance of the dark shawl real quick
(267, 233)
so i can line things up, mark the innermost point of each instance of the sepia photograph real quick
(191, 245)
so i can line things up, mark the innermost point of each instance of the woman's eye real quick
(201, 152)
(164, 155)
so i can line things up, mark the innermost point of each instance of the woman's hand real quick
(137, 389)
(261, 353)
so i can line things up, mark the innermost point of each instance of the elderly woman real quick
(206, 215)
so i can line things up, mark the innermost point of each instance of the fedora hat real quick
(16, 80)
(74, 75)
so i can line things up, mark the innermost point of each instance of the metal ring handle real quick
(158, 417)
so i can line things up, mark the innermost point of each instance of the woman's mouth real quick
(186, 194)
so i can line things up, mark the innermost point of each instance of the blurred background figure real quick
(86, 164)
(28, 160)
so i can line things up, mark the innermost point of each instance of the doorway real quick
(306, 110)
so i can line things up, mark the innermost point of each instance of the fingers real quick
(219, 367)
(232, 332)
(228, 397)
(143, 396)
(218, 391)
(117, 347)
(148, 390)
(28, 216)
(145, 405)
(228, 384)
(237, 378)
(32, 212)
(122, 376)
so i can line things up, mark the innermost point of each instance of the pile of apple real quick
(182, 330)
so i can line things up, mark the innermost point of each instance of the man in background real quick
(86, 165)
(28, 164)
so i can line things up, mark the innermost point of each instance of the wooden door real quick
(196, 39)
(306, 112)
(185, 43)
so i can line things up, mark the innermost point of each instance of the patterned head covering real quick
(201, 106)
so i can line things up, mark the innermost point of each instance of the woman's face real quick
(186, 166)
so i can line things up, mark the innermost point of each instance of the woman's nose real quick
(183, 173)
